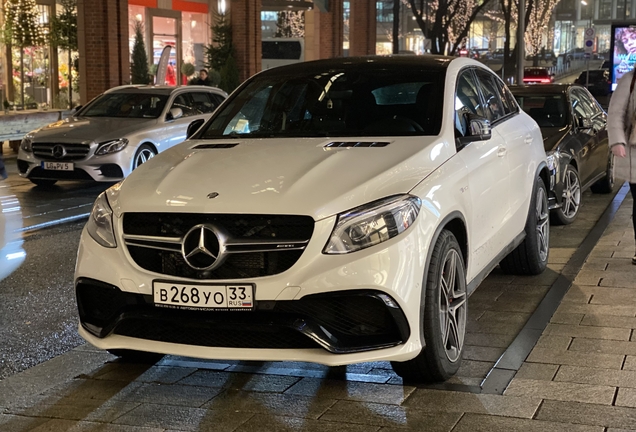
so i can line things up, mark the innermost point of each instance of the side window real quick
(184, 102)
(587, 101)
(494, 106)
(509, 102)
(579, 107)
(203, 103)
(466, 101)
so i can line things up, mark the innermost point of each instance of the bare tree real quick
(451, 21)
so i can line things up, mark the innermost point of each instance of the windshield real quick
(546, 110)
(359, 102)
(126, 105)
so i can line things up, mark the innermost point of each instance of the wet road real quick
(38, 312)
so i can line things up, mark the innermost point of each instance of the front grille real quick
(72, 152)
(258, 245)
(340, 322)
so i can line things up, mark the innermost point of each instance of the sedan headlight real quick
(373, 223)
(100, 223)
(27, 143)
(113, 146)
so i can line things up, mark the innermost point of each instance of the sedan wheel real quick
(144, 153)
(606, 184)
(444, 317)
(571, 198)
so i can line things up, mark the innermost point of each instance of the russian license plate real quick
(211, 297)
(58, 166)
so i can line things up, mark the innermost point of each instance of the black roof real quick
(541, 89)
(430, 62)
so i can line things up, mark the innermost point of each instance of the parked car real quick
(114, 133)
(336, 211)
(575, 54)
(574, 131)
(598, 81)
(537, 75)
(11, 252)
(607, 65)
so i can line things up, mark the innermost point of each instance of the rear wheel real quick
(444, 320)
(43, 182)
(571, 198)
(531, 256)
(133, 356)
(606, 184)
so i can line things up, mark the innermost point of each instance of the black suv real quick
(598, 83)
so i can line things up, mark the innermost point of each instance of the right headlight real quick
(112, 146)
(100, 222)
(27, 143)
(373, 223)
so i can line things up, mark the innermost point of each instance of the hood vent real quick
(343, 144)
(214, 146)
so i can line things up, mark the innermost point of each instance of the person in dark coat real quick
(3, 170)
(203, 79)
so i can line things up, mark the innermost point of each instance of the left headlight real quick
(100, 222)
(373, 223)
(113, 146)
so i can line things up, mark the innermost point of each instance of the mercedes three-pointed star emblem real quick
(58, 151)
(202, 247)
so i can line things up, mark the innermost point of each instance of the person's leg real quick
(3, 171)
(632, 187)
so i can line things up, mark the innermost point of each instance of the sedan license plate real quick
(58, 166)
(210, 297)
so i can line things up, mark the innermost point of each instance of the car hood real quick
(279, 176)
(96, 129)
(553, 136)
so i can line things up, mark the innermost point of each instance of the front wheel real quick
(444, 320)
(143, 154)
(531, 256)
(571, 198)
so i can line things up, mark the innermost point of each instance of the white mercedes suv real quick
(336, 211)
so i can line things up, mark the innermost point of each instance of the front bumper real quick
(109, 168)
(334, 310)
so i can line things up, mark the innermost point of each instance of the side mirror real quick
(479, 129)
(583, 123)
(174, 114)
(193, 127)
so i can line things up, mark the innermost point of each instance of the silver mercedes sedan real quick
(115, 133)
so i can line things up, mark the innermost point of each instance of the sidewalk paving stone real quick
(603, 346)
(599, 309)
(564, 391)
(566, 318)
(588, 414)
(374, 414)
(583, 331)
(271, 423)
(84, 426)
(367, 392)
(609, 321)
(240, 381)
(485, 423)
(449, 401)
(266, 403)
(595, 376)
(537, 371)
(607, 361)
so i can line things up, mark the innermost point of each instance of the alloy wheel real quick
(543, 225)
(452, 307)
(571, 194)
(143, 155)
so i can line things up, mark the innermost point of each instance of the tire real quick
(531, 256)
(43, 182)
(571, 200)
(444, 323)
(132, 356)
(606, 184)
(143, 153)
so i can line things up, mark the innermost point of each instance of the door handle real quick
(528, 139)
(502, 152)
